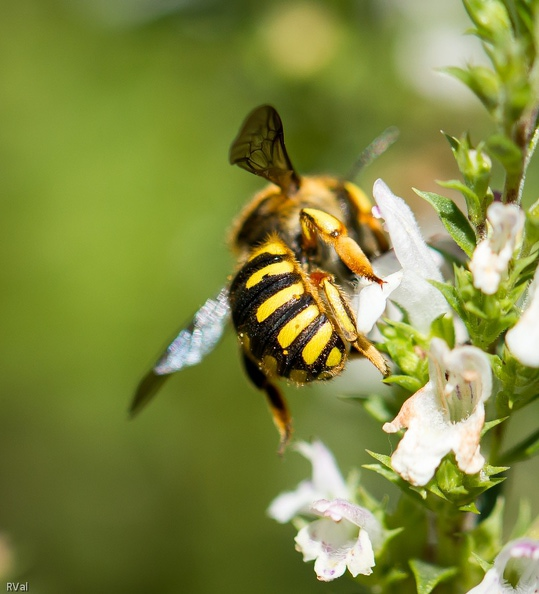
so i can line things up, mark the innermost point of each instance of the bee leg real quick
(317, 224)
(276, 401)
(346, 320)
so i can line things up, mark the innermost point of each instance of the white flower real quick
(446, 415)
(341, 539)
(492, 255)
(342, 534)
(408, 287)
(520, 558)
(523, 338)
(326, 482)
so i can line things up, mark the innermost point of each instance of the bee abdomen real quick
(281, 324)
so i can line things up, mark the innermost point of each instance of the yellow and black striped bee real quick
(301, 243)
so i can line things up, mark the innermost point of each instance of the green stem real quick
(526, 137)
(450, 528)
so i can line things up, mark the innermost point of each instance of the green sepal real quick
(461, 489)
(490, 424)
(453, 220)
(519, 384)
(482, 81)
(407, 382)
(428, 576)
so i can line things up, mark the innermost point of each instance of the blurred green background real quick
(115, 122)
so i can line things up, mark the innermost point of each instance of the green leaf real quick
(378, 408)
(469, 507)
(385, 472)
(483, 82)
(490, 424)
(451, 296)
(453, 219)
(444, 328)
(428, 576)
(411, 384)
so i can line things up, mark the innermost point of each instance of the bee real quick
(301, 243)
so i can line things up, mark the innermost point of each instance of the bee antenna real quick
(376, 148)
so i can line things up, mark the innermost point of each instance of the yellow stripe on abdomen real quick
(334, 357)
(269, 270)
(313, 349)
(280, 298)
(276, 248)
(291, 330)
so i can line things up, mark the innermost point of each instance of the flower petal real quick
(524, 553)
(446, 415)
(523, 338)
(291, 503)
(326, 481)
(341, 509)
(373, 299)
(327, 478)
(491, 257)
(326, 542)
(360, 558)
(423, 302)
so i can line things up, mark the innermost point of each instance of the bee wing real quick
(259, 148)
(191, 345)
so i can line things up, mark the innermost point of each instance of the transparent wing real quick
(191, 345)
(259, 148)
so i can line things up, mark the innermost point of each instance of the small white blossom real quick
(492, 255)
(326, 482)
(342, 534)
(519, 558)
(446, 415)
(523, 338)
(341, 539)
(409, 287)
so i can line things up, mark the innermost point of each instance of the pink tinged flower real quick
(523, 338)
(326, 482)
(446, 415)
(519, 559)
(419, 298)
(491, 257)
(341, 539)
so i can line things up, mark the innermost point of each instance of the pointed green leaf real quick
(411, 384)
(453, 142)
(428, 576)
(453, 219)
(490, 424)
(483, 82)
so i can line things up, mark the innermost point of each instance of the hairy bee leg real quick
(276, 401)
(346, 321)
(319, 224)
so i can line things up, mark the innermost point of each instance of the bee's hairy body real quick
(300, 243)
(280, 319)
